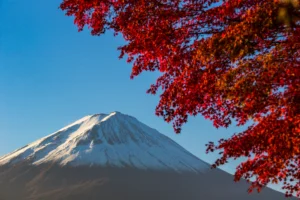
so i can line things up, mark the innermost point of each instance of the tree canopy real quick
(230, 61)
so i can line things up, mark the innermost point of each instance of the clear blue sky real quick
(51, 75)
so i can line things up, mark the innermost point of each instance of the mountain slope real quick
(56, 182)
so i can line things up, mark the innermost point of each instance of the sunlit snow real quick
(113, 139)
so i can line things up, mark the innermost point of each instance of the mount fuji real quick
(114, 156)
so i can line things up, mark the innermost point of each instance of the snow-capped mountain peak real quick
(113, 139)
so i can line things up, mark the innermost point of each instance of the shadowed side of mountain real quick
(55, 182)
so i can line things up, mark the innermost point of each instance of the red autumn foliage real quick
(231, 60)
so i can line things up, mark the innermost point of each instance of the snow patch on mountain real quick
(113, 139)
